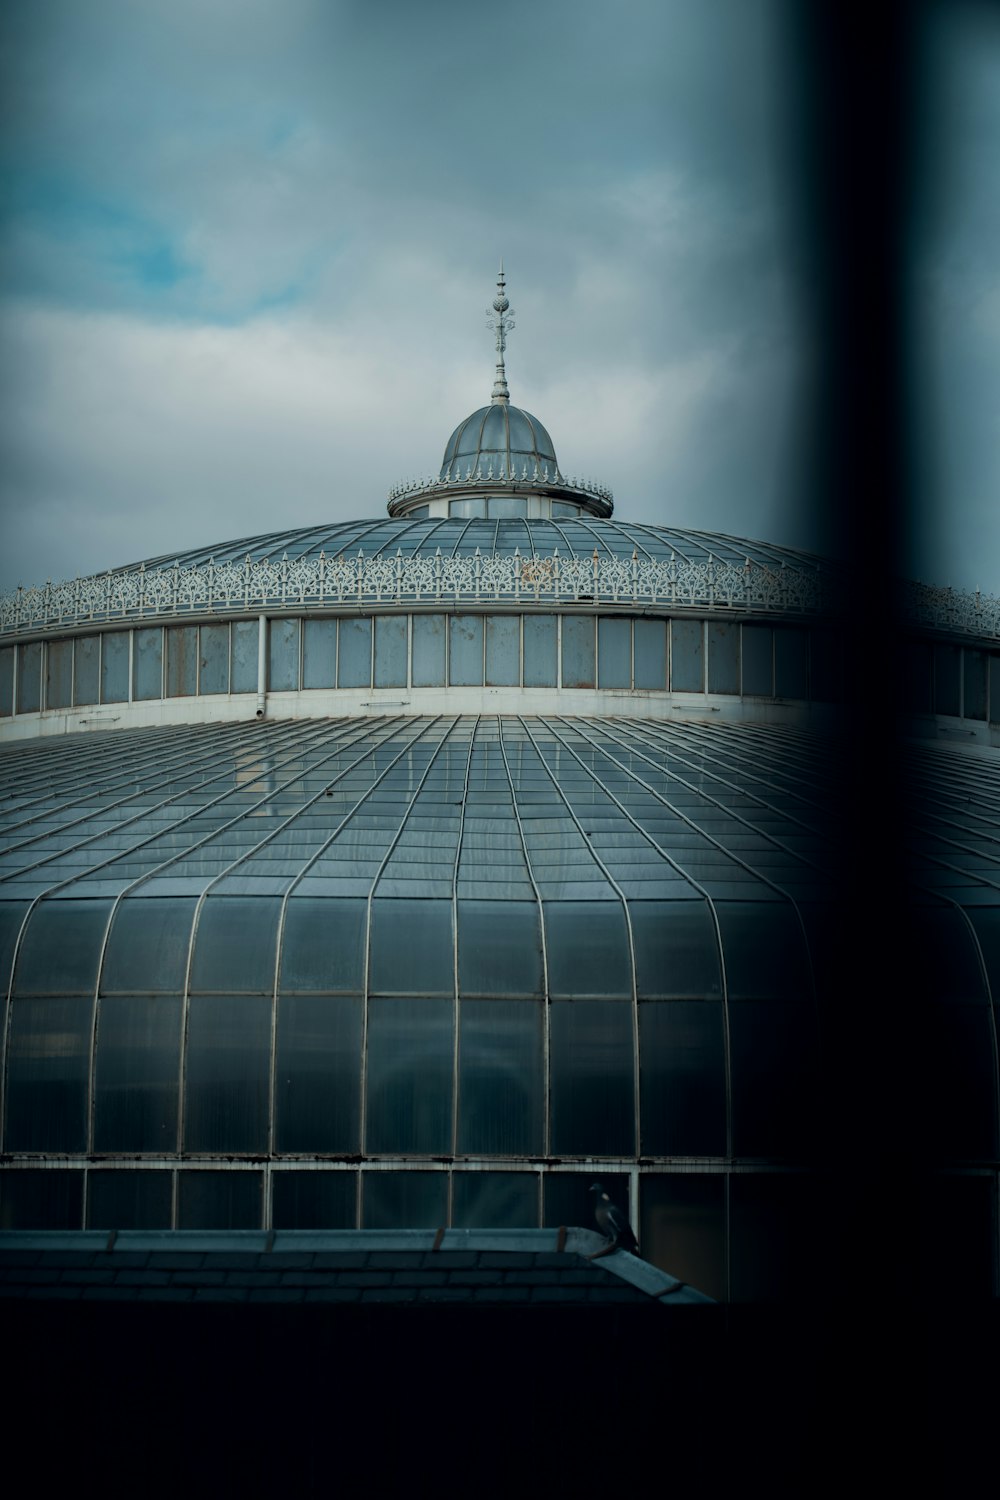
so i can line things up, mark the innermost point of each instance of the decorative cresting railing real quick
(480, 577)
(959, 610)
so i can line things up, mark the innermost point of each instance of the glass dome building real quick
(409, 872)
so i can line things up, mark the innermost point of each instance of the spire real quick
(501, 320)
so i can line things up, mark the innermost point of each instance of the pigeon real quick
(612, 1222)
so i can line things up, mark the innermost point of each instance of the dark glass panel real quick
(354, 659)
(319, 654)
(683, 1219)
(974, 699)
(994, 684)
(918, 677)
(41, 1200)
(405, 1200)
(650, 654)
(578, 651)
(774, 1079)
(48, 1060)
(147, 664)
(588, 949)
(687, 661)
(494, 1200)
(219, 1200)
(318, 1074)
(11, 917)
(6, 682)
(957, 1234)
(567, 1198)
(682, 1073)
(986, 921)
(764, 951)
(410, 1056)
(411, 948)
(676, 949)
(758, 660)
(943, 957)
(503, 650)
(539, 651)
(314, 1200)
(390, 651)
(182, 661)
(465, 667)
(614, 653)
(283, 656)
(591, 1064)
(791, 663)
(29, 678)
(499, 948)
(213, 665)
(428, 650)
(61, 948)
(245, 642)
(947, 678)
(775, 1237)
(723, 657)
(961, 1084)
(86, 674)
(323, 945)
(147, 950)
(129, 1200)
(59, 674)
(501, 1078)
(825, 666)
(136, 1071)
(234, 946)
(228, 1073)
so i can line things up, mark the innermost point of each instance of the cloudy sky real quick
(248, 246)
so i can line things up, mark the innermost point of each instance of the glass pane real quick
(466, 644)
(467, 508)
(499, 948)
(12, 914)
(61, 948)
(723, 657)
(318, 1074)
(791, 664)
(319, 653)
(390, 651)
(825, 666)
(650, 654)
(129, 1200)
(974, 701)
(764, 951)
(219, 1200)
(6, 681)
(501, 1078)
(410, 1055)
(592, 1078)
(578, 651)
(503, 650)
(114, 668)
(568, 1200)
(234, 946)
(947, 666)
(87, 665)
(944, 961)
(48, 1060)
(775, 1077)
(314, 1200)
(411, 948)
(405, 1200)
(228, 1073)
(147, 951)
(758, 660)
(41, 1200)
(994, 688)
(59, 668)
(676, 949)
(323, 945)
(428, 650)
(213, 666)
(283, 656)
(588, 949)
(136, 1071)
(539, 650)
(29, 678)
(614, 652)
(245, 639)
(354, 662)
(182, 661)
(147, 664)
(986, 921)
(775, 1234)
(494, 1200)
(506, 506)
(682, 1072)
(687, 656)
(683, 1218)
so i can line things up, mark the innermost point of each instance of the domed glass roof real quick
(500, 438)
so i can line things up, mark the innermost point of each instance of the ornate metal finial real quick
(500, 318)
